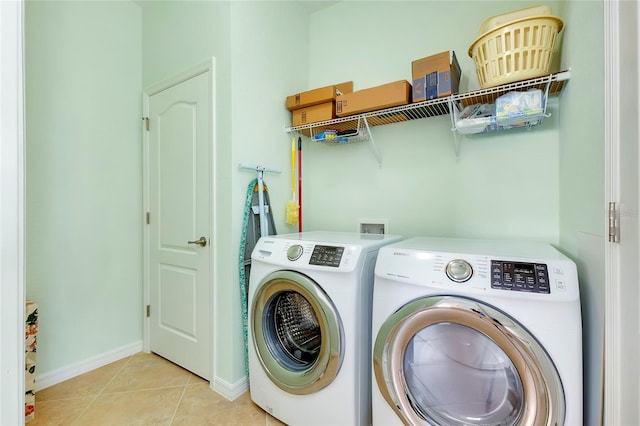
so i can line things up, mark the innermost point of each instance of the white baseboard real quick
(65, 373)
(230, 391)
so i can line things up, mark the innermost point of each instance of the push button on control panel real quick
(520, 276)
(543, 278)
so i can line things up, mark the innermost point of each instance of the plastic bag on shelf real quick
(519, 104)
(476, 118)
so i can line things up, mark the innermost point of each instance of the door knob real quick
(201, 242)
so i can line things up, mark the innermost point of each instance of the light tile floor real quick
(143, 389)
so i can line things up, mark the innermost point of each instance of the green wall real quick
(83, 174)
(503, 185)
(84, 165)
(582, 180)
(84, 202)
(582, 183)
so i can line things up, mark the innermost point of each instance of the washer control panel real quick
(520, 276)
(326, 256)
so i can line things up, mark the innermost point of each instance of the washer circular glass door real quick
(297, 332)
(457, 361)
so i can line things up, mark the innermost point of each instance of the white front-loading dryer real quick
(474, 332)
(309, 326)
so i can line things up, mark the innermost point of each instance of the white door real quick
(622, 334)
(179, 235)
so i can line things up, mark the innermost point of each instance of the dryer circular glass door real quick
(297, 332)
(457, 361)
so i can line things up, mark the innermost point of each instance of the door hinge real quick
(146, 123)
(148, 311)
(614, 223)
(148, 218)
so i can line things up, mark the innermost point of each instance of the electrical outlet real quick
(373, 226)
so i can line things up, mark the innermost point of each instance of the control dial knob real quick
(459, 270)
(294, 252)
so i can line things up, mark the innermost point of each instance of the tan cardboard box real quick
(313, 114)
(374, 98)
(435, 76)
(317, 96)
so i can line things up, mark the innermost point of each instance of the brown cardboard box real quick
(374, 98)
(313, 114)
(318, 96)
(386, 119)
(435, 76)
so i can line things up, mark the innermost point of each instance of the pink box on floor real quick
(31, 330)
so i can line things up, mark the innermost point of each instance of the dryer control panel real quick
(520, 276)
(326, 256)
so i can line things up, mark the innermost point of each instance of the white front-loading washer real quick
(309, 326)
(475, 332)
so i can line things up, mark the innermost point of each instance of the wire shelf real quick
(434, 107)
(555, 84)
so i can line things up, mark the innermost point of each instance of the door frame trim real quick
(620, 90)
(12, 213)
(611, 408)
(202, 68)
